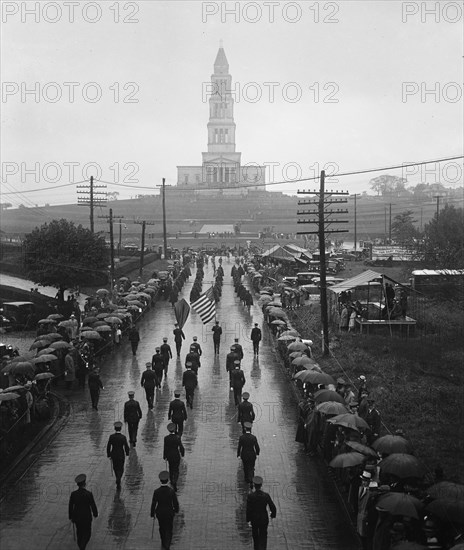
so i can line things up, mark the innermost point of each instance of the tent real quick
(277, 252)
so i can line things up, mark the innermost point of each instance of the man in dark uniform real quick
(177, 413)
(238, 349)
(95, 385)
(165, 350)
(245, 412)
(248, 449)
(134, 339)
(196, 346)
(230, 359)
(193, 357)
(256, 514)
(157, 363)
(256, 338)
(117, 449)
(217, 331)
(373, 419)
(165, 505)
(81, 508)
(132, 415)
(149, 381)
(172, 452)
(238, 381)
(190, 382)
(178, 337)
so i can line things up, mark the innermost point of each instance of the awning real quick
(362, 279)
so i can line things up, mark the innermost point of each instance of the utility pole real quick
(165, 240)
(91, 198)
(385, 231)
(390, 230)
(110, 219)
(143, 223)
(438, 205)
(322, 218)
(355, 225)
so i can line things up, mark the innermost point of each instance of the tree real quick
(388, 185)
(5, 205)
(64, 255)
(443, 243)
(113, 195)
(403, 229)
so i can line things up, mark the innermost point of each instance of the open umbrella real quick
(86, 328)
(48, 358)
(13, 388)
(274, 303)
(54, 336)
(445, 509)
(46, 321)
(332, 407)
(400, 504)
(360, 448)
(291, 333)
(45, 351)
(60, 345)
(25, 368)
(302, 360)
(67, 323)
(137, 303)
(99, 324)
(113, 320)
(39, 344)
(91, 335)
(143, 295)
(295, 354)
(446, 490)
(44, 376)
(8, 396)
(286, 338)
(55, 316)
(297, 346)
(101, 316)
(402, 465)
(278, 322)
(133, 308)
(266, 292)
(314, 377)
(349, 420)
(103, 328)
(328, 395)
(347, 460)
(123, 279)
(102, 292)
(389, 444)
(89, 320)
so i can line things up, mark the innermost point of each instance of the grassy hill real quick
(187, 212)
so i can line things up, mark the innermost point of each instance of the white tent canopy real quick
(363, 279)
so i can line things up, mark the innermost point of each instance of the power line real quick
(46, 188)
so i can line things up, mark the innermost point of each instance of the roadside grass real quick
(417, 382)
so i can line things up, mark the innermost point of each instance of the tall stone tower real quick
(221, 167)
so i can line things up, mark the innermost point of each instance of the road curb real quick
(16, 471)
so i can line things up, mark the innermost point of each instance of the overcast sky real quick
(356, 85)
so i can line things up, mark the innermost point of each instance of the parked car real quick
(5, 324)
(20, 314)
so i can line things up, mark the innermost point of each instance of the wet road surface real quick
(212, 492)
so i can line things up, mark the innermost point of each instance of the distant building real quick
(221, 168)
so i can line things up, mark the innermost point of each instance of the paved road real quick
(212, 492)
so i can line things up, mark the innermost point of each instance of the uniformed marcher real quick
(164, 505)
(217, 331)
(157, 363)
(166, 352)
(256, 337)
(257, 515)
(178, 337)
(172, 452)
(193, 357)
(95, 385)
(238, 381)
(177, 413)
(117, 449)
(248, 449)
(190, 382)
(245, 412)
(132, 415)
(149, 381)
(238, 348)
(230, 364)
(81, 509)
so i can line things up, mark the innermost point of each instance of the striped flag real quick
(205, 306)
